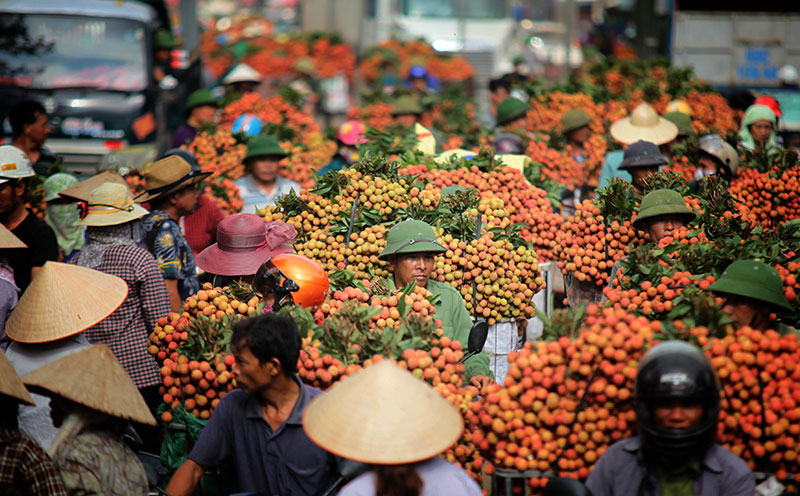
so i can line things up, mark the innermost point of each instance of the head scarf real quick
(99, 239)
(63, 217)
(753, 114)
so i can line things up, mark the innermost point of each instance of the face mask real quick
(701, 173)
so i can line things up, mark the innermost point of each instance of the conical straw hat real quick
(94, 378)
(83, 189)
(63, 300)
(383, 415)
(10, 383)
(8, 240)
(644, 124)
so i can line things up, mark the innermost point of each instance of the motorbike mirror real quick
(477, 337)
(562, 486)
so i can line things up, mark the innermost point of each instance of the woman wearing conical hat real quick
(48, 323)
(93, 401)
(396, 423)
(25, 468)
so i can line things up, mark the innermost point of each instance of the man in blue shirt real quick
(260, 425)
(171, 191)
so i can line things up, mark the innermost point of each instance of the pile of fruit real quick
(598, 235)
(220, 151)
(768, 189)
(340, 236)
(403, 55)
(251, 40)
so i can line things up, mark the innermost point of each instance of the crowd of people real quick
(82, 289)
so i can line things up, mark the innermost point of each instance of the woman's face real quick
(760, 130)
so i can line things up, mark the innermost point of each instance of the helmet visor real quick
(270, 280)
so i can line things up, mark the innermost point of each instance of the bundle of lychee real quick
(770, 189)
(525, 204)
(598, 235)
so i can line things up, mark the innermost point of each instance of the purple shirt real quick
(283, 462)
(184, 135)
(622, 471)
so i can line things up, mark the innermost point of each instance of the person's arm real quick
(175, 301)
(476, 368)
(185, 479)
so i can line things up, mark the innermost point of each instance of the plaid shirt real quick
(25, 469)
(127, 330)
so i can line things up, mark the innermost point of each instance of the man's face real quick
(663, 225)
(186, 200)
(251, 375)
(580, 135)
(707, 165)
(743, 310)
(39, 130)
(204, 113)
(407, 120)
(10, 196)
(638, 174)
(497, 97)
(413, 267)
(761, 131)
(677, 414)
(265, 168)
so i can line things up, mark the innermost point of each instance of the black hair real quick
(500, 83)
(24, 113)
(9, 407)
(269, 336)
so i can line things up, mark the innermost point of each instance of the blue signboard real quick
(757, 66)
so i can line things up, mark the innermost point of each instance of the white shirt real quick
(254, 198)
(35, 420)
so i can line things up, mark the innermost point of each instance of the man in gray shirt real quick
(677, 408)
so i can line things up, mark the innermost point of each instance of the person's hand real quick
(480, 381)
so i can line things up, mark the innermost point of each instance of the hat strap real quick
(162, 189)
(105, 208)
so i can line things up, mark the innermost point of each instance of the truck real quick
(741, 50)
(90, 63)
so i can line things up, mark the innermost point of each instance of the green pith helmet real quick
(260, 146)
(574, 119)
(411, 236)
(754, 280)
(163, 40)
(662, 202)
(406, 104)
(683, 121)
(200, 97)
(304, 65)
(510, 109)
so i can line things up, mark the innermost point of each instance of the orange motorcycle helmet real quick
(294, 280)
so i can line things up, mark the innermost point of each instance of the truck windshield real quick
(53, 51)
(473, 9)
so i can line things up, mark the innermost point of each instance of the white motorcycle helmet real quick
(14, 164)
(714, 145)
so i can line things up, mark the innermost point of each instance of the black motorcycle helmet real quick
(671, 371)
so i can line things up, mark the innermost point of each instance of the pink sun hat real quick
(351, 132)
(244, 242)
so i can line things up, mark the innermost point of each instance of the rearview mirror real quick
(477, 337)
(563, 486)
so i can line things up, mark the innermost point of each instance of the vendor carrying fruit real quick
(411, 246)
(752, 292)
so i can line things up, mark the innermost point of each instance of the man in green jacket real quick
(411, 246)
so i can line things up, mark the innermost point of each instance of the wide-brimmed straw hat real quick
(93, 378)
(644, 123)
(10, 383)
(63, 300)
(244, 243)
(83, 189)
(110, 205)
(383, 415)
(9, 240)
(166, 176)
